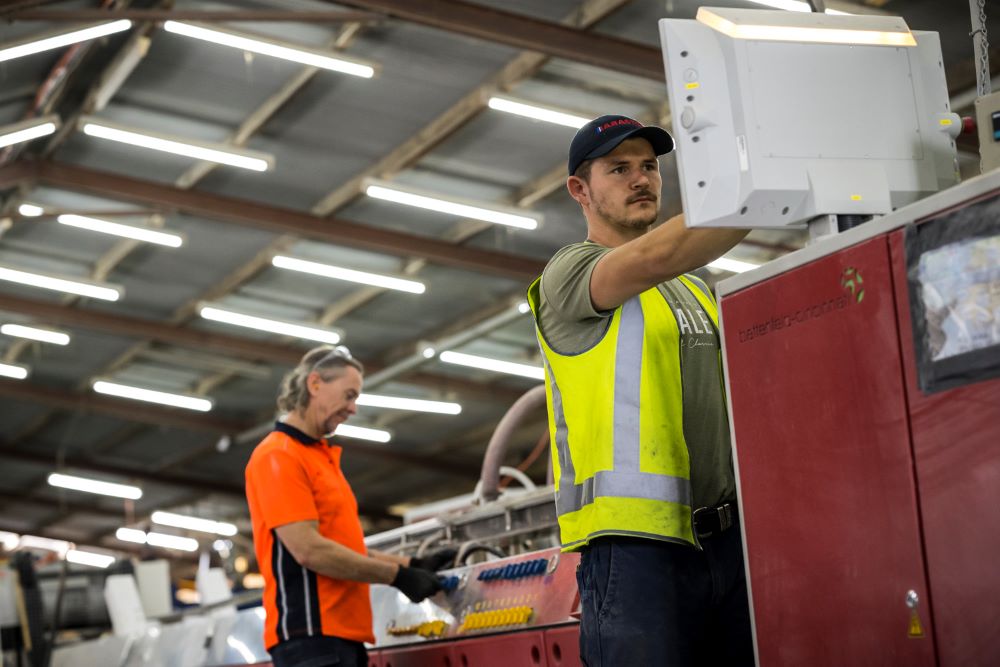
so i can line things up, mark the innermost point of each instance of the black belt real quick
(710, 521)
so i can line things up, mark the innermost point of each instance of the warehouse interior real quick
(322, 164)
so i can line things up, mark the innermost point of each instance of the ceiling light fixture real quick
(57, 284)
(414, 404)
(131, 535)
(363, 433)
(88, 485)
(32, 333)
(194, 523)
(271, 47)
(537, 112)
(118, 229)
(490, 364)
(282, 327)
(171, 541)
(185, 401)
(420, 199)
(211, 152)
(37, 45)
(30, 210)
(13, 371)
(350, 275)
(26, 130)
(731, 265)
(89, 558)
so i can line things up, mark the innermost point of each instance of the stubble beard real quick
(640, 220)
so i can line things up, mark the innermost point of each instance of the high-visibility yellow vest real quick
(619, 457)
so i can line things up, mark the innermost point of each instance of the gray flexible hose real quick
(497, 449)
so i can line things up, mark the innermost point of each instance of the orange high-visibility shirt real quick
(293, 477)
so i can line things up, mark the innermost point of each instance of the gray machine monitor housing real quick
(773, 133)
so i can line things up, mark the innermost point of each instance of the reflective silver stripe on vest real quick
(628, 385)
(625, 480)
(697, 282)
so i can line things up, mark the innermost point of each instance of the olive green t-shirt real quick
(571, 325)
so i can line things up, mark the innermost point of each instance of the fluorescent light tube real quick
(489, 364)
(194, 523)
(220, 153)
(13, 371)
(30, 210)
(415, 404)
(185, 401)
(9, 541)
(63, 39)
(410, 197)
(805, 33)
(89, 558)
(537, 113)
(281, 327)
(95, 486)
(26, 130)
(32, 333)
(36, 542)
(131, 535)
(118, 229)
(271, 47)
(351, 275)
(731, 265)
(362, 433)
(43, 281)
(171, 541)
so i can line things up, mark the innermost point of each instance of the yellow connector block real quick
(497, 618)
(431, 628)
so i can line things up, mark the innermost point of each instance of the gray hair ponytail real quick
(328, 360)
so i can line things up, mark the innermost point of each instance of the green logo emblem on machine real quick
(852, 281)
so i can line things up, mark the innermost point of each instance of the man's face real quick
(332, 403)
(625, 185)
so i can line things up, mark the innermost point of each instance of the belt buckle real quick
(723, 519)
(695, 518)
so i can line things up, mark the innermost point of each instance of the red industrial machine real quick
(865, 405)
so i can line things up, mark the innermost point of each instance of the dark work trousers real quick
(648, 603)
(319, 651)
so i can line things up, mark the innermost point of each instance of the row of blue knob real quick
(528, 568)
(448, 583)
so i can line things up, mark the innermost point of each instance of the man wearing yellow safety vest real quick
(643, 465)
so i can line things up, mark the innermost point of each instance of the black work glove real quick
(435, 561)
(415, 583)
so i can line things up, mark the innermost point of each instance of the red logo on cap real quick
(620, 121)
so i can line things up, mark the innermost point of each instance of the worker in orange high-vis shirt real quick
(307, 534)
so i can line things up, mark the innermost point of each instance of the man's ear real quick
(313, 381)
(578, 190)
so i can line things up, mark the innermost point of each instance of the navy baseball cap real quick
(602, 135)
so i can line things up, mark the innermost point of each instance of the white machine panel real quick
(773, 133)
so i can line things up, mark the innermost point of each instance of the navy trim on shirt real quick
(295, 433)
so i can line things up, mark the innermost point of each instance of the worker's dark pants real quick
(319, 651)
(659, 604)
